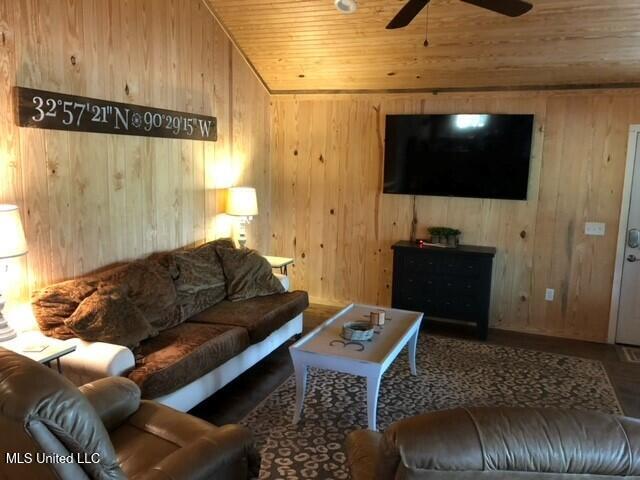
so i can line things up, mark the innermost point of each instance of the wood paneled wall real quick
(327, 155)
(89, 199)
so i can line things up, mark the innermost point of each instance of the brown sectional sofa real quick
(193, 329)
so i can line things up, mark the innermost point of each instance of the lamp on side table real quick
(242, 202)
(12, 244)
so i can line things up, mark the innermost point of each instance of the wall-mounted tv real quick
(463, 155)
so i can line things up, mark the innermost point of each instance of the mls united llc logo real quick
(41, 457)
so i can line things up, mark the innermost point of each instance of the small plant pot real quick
(453, 240)
(439, 239)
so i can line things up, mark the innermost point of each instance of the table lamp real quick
(12, 244)
(242, 202)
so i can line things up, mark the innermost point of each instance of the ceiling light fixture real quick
(346, 6)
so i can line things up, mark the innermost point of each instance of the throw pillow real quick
(109, 316)
(200, 283)
(199, 270)
(149, 286)
(52, 305)
(248, 274)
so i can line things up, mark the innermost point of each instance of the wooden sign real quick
(57, 111)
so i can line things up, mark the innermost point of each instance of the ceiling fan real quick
(511, 8)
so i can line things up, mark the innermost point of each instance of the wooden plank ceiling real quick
(307, 45)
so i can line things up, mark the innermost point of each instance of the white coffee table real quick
(322, 348)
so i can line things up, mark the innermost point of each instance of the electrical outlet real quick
(594, 228)
(549, 295)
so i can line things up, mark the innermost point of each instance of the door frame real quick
(634, 132)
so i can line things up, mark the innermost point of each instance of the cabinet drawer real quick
(462, 307)
(421, 282)
(422, 300)
(458, 285)
(461, 265)
(421, 264)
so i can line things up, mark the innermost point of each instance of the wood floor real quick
(237, 399)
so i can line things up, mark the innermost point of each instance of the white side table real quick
(280, 262)
(54, 348)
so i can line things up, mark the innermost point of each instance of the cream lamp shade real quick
(12, 244)
(242, 202)
(12, 240)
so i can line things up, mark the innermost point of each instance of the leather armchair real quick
(499, 443)
(108, 432)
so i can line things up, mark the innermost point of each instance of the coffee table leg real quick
(413, 342)
(373, 387)
(301, 386)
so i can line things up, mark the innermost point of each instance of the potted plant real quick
(453, 236)
(444, 236)
(437, 234)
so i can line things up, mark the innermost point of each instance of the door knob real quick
(632, 258)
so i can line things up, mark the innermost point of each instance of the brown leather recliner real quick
(107, 431)
(499, 443)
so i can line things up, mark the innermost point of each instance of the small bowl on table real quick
(357, 331)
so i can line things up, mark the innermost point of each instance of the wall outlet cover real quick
(594, 228)
(549, 294)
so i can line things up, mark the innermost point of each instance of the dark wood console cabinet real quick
(444, 283)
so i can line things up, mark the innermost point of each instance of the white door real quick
(629, 306)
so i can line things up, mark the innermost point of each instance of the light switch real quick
(594, 228)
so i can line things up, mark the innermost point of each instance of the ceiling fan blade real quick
(511, 8)
(407, 13)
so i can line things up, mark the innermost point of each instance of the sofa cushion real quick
(109, 316)
(248, 274)
(197, 276)
(200, 283)
(261, 316)
(153, 433)
(149, 285)
(180, 355)
(52, 305)
(198, 272)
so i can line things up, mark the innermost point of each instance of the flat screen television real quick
(464, 155)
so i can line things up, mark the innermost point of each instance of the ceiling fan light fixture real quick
(346, 6)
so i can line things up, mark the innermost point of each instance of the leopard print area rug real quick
(451, 373)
